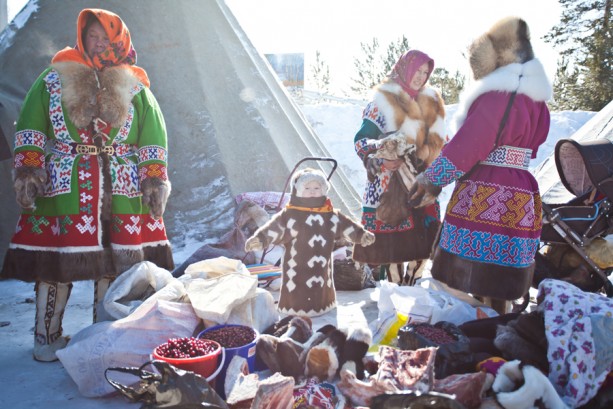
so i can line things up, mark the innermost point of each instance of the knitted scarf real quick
(119, 52)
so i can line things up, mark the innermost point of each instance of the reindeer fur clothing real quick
(492, 226)
(418, 129)
(308, 231)
(89, 221)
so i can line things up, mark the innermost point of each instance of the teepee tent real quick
(232, 127)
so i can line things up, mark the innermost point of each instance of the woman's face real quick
(312, 189)
(96, 39)
(420, 77)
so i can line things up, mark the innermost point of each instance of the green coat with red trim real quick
(90, 222)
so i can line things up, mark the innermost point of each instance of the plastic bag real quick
(137, 284)
(223, 291)
(170, 387)
(125, 342)
(399, 305)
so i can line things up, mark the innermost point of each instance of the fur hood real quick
(87, 93)
(528, 78)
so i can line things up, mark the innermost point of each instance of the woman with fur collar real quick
(401, 134)
(90, 174)
(492, 226)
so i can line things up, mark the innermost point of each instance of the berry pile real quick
(232, 336)
(188, 347)
(434, 334)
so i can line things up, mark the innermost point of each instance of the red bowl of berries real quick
(202, 356)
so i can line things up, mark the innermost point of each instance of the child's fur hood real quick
(86, 95)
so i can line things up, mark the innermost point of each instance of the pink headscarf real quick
(407, 66)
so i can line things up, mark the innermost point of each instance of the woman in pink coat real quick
(492, 226)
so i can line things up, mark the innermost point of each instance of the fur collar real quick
(405, 113)
(528, 78)
(86, 95)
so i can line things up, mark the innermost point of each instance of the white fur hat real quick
(307, 175)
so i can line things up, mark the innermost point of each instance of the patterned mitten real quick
(254, 243)
(29, 184)
(367, 239)
(155, 195)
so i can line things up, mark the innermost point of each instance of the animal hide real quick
(248, 216)
(393, 207)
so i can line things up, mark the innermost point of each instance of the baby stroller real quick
(586, 171)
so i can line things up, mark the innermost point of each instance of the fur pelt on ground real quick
(519, 386)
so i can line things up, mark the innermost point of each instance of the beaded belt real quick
(73, 148)
(509, 157)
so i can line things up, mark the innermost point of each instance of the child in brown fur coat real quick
(308, 228)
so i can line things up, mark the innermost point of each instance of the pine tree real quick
(584, 37)
(320, 73)
(395, 50)
(366, 67)
(450, 87)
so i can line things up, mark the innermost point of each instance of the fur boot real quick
(356, 347)
(523, 387)
(51, 300)
(323, 359)
(100, 288)
(281, 355)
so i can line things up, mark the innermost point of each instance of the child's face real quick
(312, 189)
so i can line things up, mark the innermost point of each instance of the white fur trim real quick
(307, 175)
(360, 334)
(536, 386)
(528, 78)
(410, 127)
(383, 105)
(438, 127)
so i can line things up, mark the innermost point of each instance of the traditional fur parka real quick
(308, 229)
(492, 226)
(87, 216)
(396, 125)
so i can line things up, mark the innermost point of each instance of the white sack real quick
(127, 342)
(142, 281)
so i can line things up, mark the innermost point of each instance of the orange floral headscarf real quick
(119, 52)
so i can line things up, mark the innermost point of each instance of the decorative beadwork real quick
(509, 157)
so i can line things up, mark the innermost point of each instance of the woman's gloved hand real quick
(367, 239)
(373, 167)
(155, 195)
(29, 184)
(423, 192)
(254, 243)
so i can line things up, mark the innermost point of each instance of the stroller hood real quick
(585, 166)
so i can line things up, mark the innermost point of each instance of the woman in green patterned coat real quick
(90, 174)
